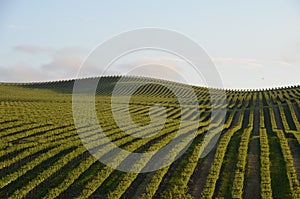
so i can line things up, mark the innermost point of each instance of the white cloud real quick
(167, 68)
(64, 64)
(31, 49)
(66, 60)
(22, 72)
(247, 62)
(291, 54)
(256, 73)
(17, 26)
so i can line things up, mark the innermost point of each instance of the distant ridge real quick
(114, 78)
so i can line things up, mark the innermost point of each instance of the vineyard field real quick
(43, 156)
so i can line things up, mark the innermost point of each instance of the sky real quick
(253, 44)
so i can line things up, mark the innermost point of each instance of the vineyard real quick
(42, 155)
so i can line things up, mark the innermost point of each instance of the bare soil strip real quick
(252, 179)
(277, 117)
(295, 150)
(198, 179)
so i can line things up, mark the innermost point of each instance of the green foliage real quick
(36, 124)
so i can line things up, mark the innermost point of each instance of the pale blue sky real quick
(252, 43)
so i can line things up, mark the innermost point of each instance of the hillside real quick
(42, 155)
